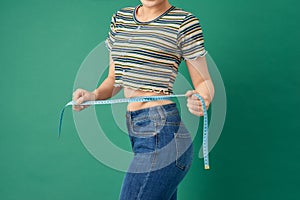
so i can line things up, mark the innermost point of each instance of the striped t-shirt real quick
(147, 54)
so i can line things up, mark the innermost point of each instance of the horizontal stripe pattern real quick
(147, 55)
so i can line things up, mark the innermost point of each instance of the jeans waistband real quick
(154, 110)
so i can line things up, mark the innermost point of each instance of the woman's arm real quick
(107, 89)
(202, 83)
(104, 91)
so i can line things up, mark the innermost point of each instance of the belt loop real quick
(128, 117)
(162, 113)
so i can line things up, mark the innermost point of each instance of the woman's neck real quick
(147, 13)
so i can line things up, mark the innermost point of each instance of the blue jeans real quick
(163, 154)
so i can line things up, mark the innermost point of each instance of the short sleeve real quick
(111, 34)
(190, 38)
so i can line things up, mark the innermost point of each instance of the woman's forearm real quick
(206, 89)
(106, 89)
(201, 78)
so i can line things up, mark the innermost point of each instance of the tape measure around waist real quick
(146, 99)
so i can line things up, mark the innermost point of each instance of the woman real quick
(147, 44)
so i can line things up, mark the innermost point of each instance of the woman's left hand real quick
(194, 104)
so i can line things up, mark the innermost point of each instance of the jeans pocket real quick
(184, 150)
(143, 128)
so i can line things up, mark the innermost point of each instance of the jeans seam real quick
(153, 162)
(177, 162)
(147, 176)
(177, 157)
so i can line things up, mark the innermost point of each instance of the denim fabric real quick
(163, 153)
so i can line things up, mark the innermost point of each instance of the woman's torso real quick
(147, 55)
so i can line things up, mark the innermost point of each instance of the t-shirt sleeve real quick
(111, 34)
(190, 38)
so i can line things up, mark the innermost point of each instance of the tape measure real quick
(146, 99)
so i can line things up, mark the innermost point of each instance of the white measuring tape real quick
(146, 99)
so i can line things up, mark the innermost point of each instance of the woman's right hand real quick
(80, 96)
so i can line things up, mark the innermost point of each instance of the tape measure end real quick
(206, 167)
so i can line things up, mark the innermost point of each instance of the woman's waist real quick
(133, 106)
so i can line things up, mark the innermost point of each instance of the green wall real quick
(256, 47)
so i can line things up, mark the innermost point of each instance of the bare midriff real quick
(129, 93)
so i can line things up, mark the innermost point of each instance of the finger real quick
(197, 113)
(80, 108)
(81, 99)
(195, 108)
(194, 102)
(207, 103)
(192, 106)
(194, 97)
(207, 100)
(198, 102)
(198, 106)
(189, 93)
(76, 108)
(77, 93)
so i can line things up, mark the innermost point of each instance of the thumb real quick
(80, 100)
(189, 93)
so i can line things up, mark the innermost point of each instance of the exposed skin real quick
(198, 71)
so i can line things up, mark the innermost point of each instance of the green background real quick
(256, 47)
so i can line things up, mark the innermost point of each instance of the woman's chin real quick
(151, 3)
